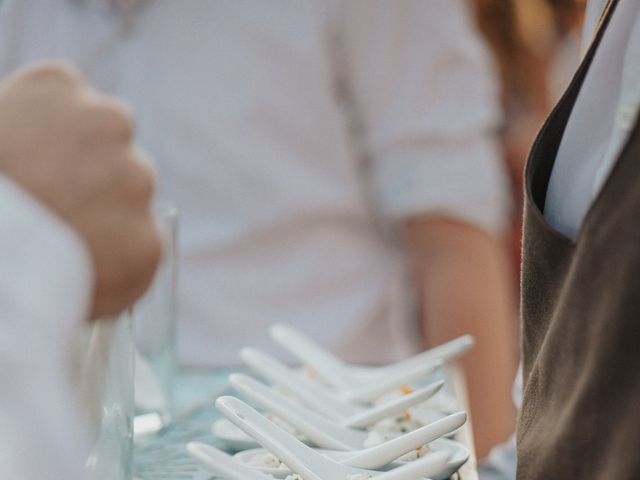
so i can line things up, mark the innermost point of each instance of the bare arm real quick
(465, 287)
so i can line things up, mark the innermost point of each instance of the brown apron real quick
(581, 319)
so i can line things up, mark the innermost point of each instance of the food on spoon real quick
(311, 373)
(406, 390)
(266, 460)
(415, 454)
(390, 428)
(287, 427)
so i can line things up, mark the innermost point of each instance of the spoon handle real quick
(316, 428)
(392, 407)
(329, 367)
(222, 464)
(307, 391)
(296, 455)
(445, 352)
(386, 452)
(374, 389)
(430, 465)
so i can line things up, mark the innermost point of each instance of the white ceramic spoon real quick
(307, 391)
(321, 432)
(343, 375)
(371, 390)
(459, 455)
(329, 435)
(308, 463)
(367, 417)
(221, 463)
(335, 405)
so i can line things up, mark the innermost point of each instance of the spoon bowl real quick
(459, 455)
(315, 427)
(328, 434)
(308, 463)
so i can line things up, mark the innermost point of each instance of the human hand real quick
(73, 150)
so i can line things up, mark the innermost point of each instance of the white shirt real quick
(45, 286)
(599, 125)
(295, 137)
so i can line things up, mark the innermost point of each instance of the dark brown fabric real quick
(581, 322)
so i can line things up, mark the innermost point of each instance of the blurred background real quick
(536, 44)
(353, 168)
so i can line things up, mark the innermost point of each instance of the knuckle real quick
(59, 74)
(116, 119)
(141, 180)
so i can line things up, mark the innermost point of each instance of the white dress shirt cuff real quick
(462, 179)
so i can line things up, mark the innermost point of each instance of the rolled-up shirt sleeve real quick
(424, 92)
(45, 285)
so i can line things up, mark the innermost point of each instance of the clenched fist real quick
(73, 150)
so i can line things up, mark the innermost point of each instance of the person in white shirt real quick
(323, 154)
(77, 242)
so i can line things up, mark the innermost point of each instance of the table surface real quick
(163, 456)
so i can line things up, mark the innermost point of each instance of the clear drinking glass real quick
(106, 385)
(155, 332)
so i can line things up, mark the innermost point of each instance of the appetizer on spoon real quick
(308, 463)
(328, 434)
(221, 463)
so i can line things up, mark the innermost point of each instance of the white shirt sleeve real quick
(45, 285)
(424, 89)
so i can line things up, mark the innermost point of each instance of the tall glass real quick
(155, 331)
(106, 384)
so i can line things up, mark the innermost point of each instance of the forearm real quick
(465, 288)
